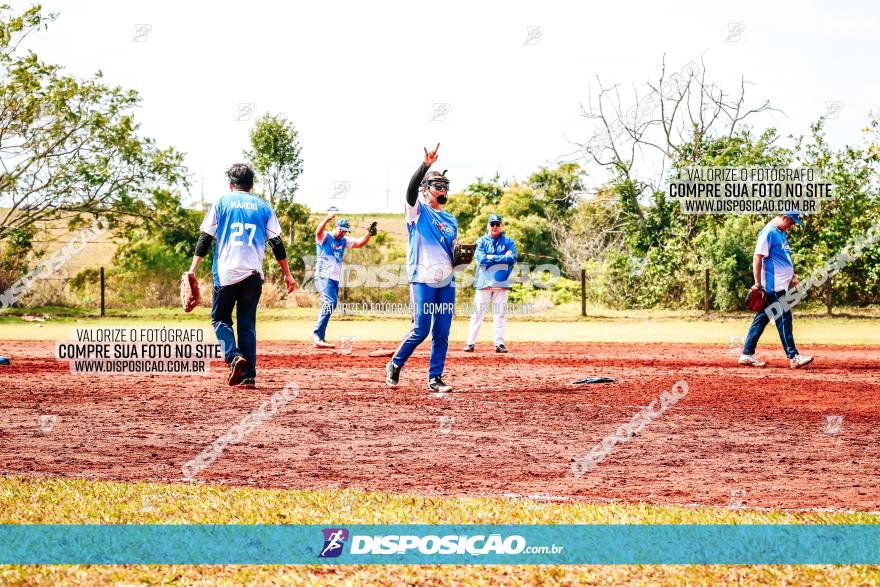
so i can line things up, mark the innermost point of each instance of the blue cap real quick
(495, 218)
(342, 224)
(796, 216)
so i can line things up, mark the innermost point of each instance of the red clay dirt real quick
(517, 425)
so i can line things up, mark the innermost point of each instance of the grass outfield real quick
(563, 323)
(25, 500)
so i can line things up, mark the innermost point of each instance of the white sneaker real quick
(799, 361)
(751, 361)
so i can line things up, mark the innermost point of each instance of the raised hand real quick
(431, 157)
(372, 230)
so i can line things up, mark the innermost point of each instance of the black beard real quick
(441, 199)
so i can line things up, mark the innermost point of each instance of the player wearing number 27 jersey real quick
(243, 225)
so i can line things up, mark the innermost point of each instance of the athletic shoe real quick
(323, 344)
(249, 383)
(799, 361)
(436, 384)
(392, 374)
(751, 361)
(236, 370)
(501, 348)
(468, 348)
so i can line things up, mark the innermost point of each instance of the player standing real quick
(773, 269)
(496, 255)
(241, 222)
(328, 269)
(432, 235)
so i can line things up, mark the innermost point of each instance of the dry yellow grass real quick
(24, 500)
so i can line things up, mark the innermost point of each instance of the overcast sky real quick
(360, 80)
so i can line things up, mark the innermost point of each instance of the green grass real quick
(562, 323)
(25, 500)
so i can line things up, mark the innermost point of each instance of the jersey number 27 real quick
(238, 229)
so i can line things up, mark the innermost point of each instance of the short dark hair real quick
(241, 176)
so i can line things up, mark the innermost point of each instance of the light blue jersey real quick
(778, 265)
(241, 222)
(432, 236)
(330, 253)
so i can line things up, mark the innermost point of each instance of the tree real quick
(276, 158)
(69, 147)
(561, 187)
(671, 123)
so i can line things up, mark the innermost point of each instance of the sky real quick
(497, 84)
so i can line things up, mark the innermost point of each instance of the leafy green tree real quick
(153, 253)
(276, 157)
(560, 187)
(70, 147)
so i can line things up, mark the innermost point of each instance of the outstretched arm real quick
(361, 241)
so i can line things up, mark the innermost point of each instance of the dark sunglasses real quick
(494, 224)
(439, 185)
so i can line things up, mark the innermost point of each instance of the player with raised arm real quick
(432, 235)
(244, 224)
(330, 246)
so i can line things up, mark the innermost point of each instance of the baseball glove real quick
(372, 230)
(463, 254)
(756, 299)
(190, 296)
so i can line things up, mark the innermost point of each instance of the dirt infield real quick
(515, 429)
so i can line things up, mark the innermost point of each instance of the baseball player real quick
(496, 255)
(330, 248)
(774, 270)
(432, 236)
(243, 225)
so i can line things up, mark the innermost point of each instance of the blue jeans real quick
(432, 311)
(329, 290)
(783, 325)
(245, 295)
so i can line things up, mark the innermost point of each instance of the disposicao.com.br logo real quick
(454, 544)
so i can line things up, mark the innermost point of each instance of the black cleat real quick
(468, 348)
(248, 383)
(236, 370)
(436, 384)
(501, 348)
(392, 374)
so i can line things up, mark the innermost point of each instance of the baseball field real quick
(457, 293)
(742, 446)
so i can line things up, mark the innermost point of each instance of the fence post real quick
(706, 293)
(828, 296)
(102, 292)
(583, 292)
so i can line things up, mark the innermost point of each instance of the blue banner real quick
(440, 544)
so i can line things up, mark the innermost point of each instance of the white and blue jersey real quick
(241, 222)
(495, 259)
(330, 252)
(778, 265)
(432, 235)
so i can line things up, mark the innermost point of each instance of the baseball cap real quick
(495, 218)
(342, 224)
(796, 216)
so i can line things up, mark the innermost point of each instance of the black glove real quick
(463, 254)
(372, 230)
